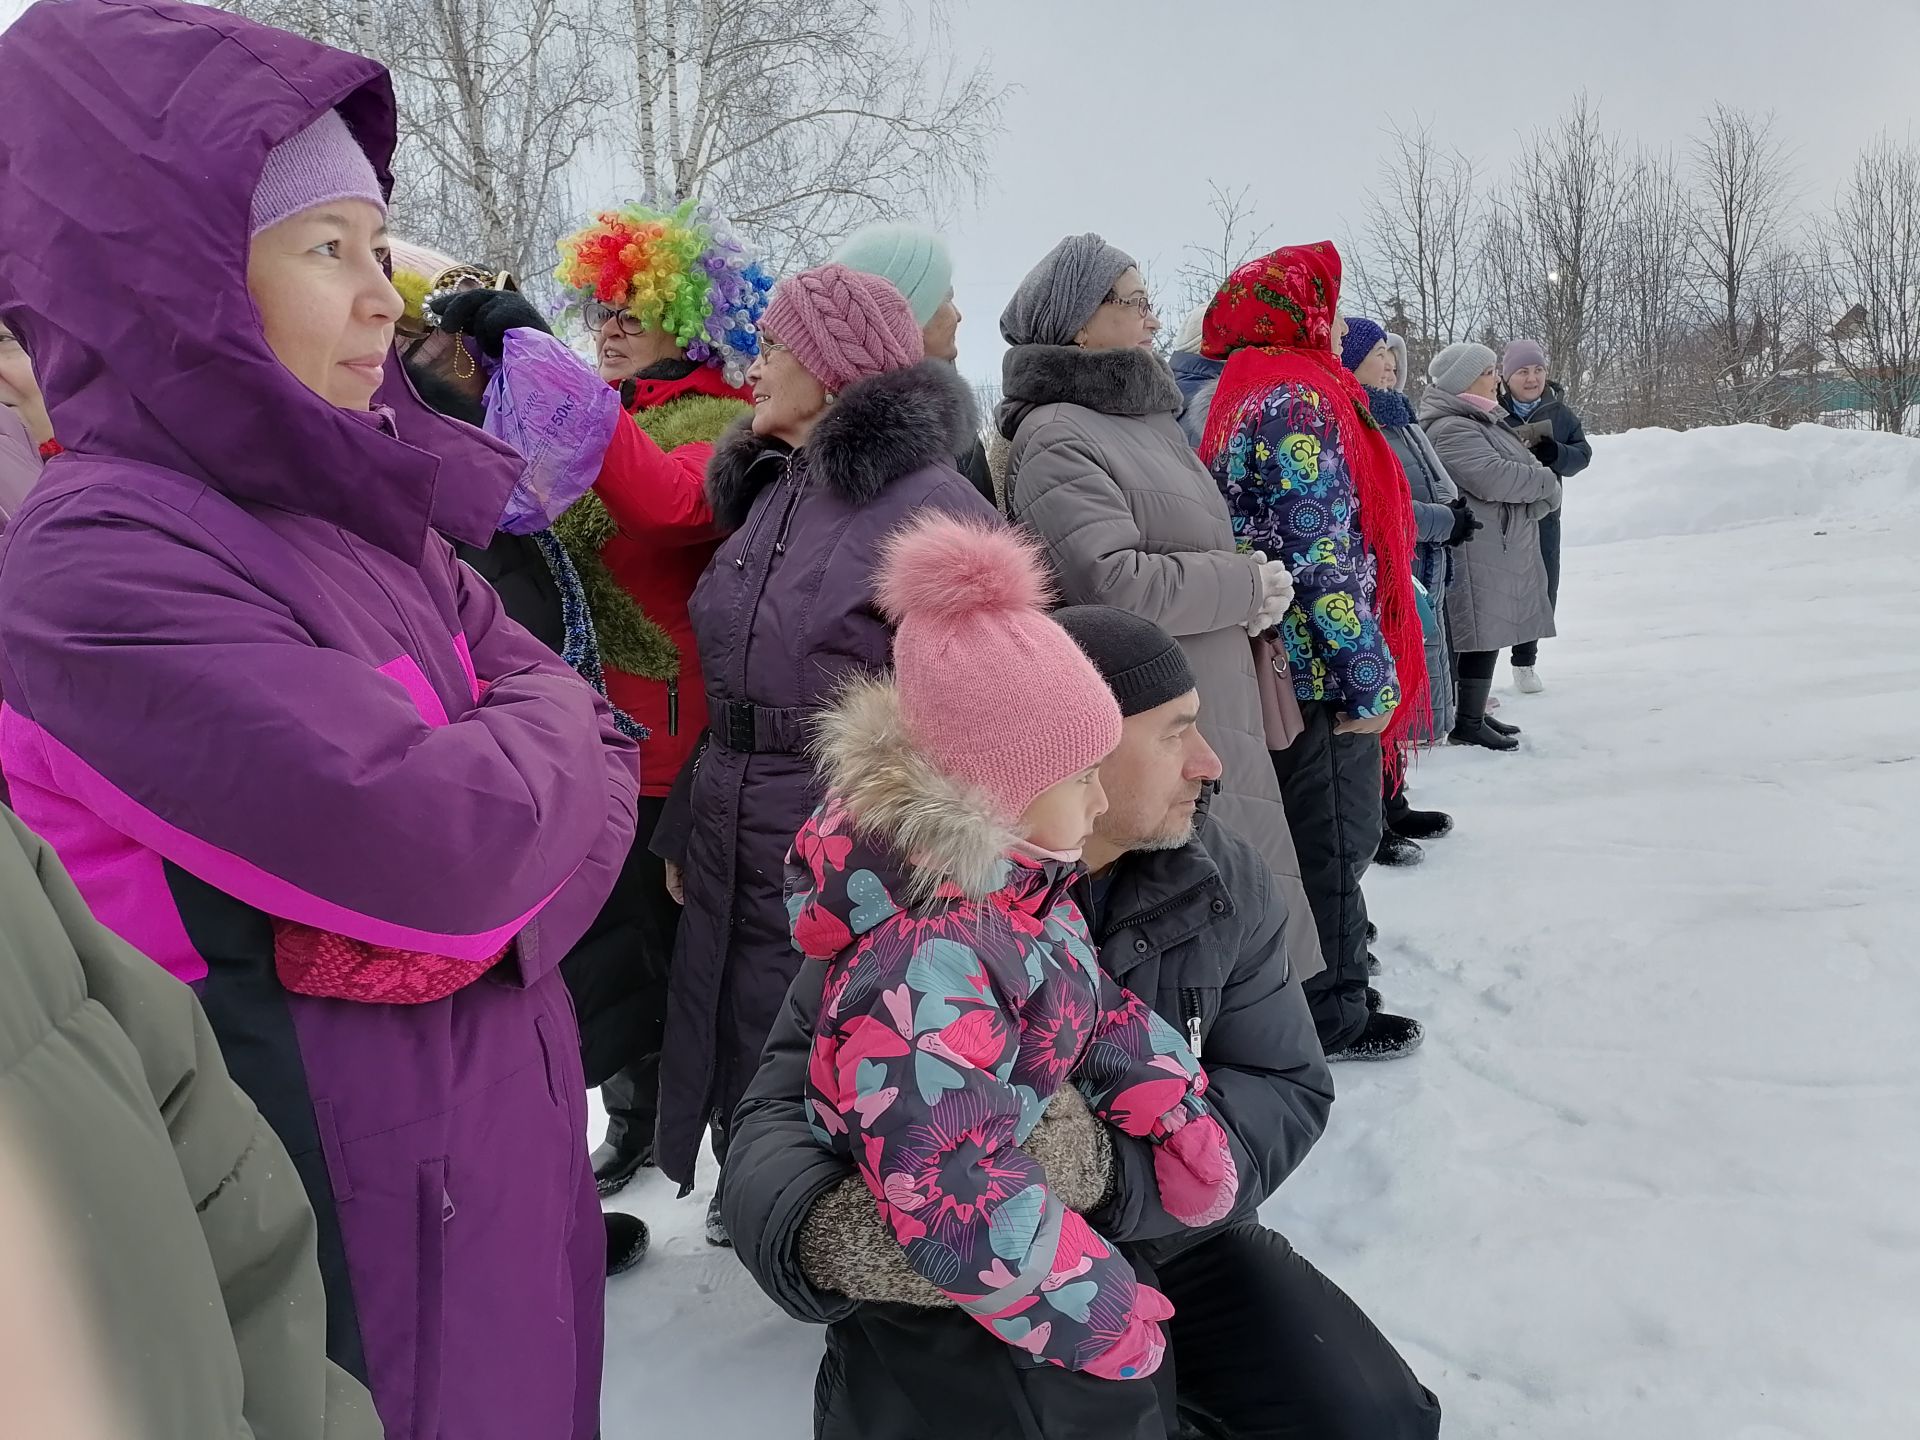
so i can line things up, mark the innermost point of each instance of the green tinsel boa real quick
(629, 640)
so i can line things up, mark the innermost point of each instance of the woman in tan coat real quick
(1099, 469)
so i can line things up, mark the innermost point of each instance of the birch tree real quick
(800, 119)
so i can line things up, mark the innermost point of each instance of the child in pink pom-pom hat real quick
(963, 989)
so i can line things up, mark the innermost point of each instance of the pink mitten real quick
(1195, 1170)
(1141, 1346)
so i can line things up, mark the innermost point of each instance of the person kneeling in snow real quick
(1187, 914)
(962, 990)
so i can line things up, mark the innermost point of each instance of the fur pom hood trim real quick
(879, 430)
(944, 830)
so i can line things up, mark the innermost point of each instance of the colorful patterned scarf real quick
(1273, 322)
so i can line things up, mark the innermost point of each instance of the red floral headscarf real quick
(1273, 323)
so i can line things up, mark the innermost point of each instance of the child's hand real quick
(1141, 1346)
(1195, 1172)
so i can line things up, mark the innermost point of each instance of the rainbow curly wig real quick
(682, 272)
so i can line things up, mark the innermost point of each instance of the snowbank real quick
(1648, 483)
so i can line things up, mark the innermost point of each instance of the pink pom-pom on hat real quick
(992, 691)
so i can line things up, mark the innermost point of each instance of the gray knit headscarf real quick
(1458, 366)
(1060, 294)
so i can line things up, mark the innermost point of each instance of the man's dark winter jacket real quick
(783, 615)
(1195, 931)
(1572, 452)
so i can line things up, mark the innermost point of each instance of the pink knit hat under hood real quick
(844, 325)
(320, 163)
(992, 692)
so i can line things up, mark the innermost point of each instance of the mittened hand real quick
(1195, 1171)
(1465, 522)
(1141, 1346)
(487, 315)
(1276, 594)
(1547, 452)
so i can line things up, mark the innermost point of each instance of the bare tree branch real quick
(1871, 253)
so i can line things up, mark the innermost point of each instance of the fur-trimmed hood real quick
(1133, 381)
(877, 431)
(939, 831)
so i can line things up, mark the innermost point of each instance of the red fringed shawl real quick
(1272, 322)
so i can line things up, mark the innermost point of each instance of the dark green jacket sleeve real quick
(253, 1214)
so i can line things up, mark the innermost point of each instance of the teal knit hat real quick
(914, 261)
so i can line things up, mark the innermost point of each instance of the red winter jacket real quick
(667, 536)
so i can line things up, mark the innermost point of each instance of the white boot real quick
(1526, 679)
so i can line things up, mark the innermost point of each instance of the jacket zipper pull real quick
(1190, 1002)
(673, 707)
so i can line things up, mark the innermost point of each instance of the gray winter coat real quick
(783, 615)
(191, 1244)
(1499, 593)
(1101, 472)
(1198, 933)
(1433, 493)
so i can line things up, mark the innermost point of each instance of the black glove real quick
(1547, 452)
(487, 315)
(1465, 522)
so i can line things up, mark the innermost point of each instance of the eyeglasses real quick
(1141, 304)
(596, 314)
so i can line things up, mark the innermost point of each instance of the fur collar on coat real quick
(1134, 381)
(879, 430)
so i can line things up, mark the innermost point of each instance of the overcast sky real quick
(1127, 108)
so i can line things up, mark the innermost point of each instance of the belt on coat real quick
(749, 729)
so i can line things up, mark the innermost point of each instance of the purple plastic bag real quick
(548, 404)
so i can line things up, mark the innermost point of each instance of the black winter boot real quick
(627, 1241)
(1387, 1037)
(1421, 824)
(716, 1227)
(615, 1165)
(1470, 728)
(1397, 851)
(1500, 727)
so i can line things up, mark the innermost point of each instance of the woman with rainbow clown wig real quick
(673, 299)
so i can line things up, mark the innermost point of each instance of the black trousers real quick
(1529, 653)
(1265, 1347)
(1262, 1346)
(631, 1094)
(1331, 786)
(1478, 664)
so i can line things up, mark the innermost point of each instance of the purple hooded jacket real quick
(784, 614)
(244, 679)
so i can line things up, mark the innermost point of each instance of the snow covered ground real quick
(1656, 1173)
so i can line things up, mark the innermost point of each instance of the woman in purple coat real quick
(852, 432)
(286, 744)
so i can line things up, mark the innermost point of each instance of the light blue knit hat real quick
(913, 260)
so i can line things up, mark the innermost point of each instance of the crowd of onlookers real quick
(959, 823)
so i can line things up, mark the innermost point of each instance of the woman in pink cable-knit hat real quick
(853, 433)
